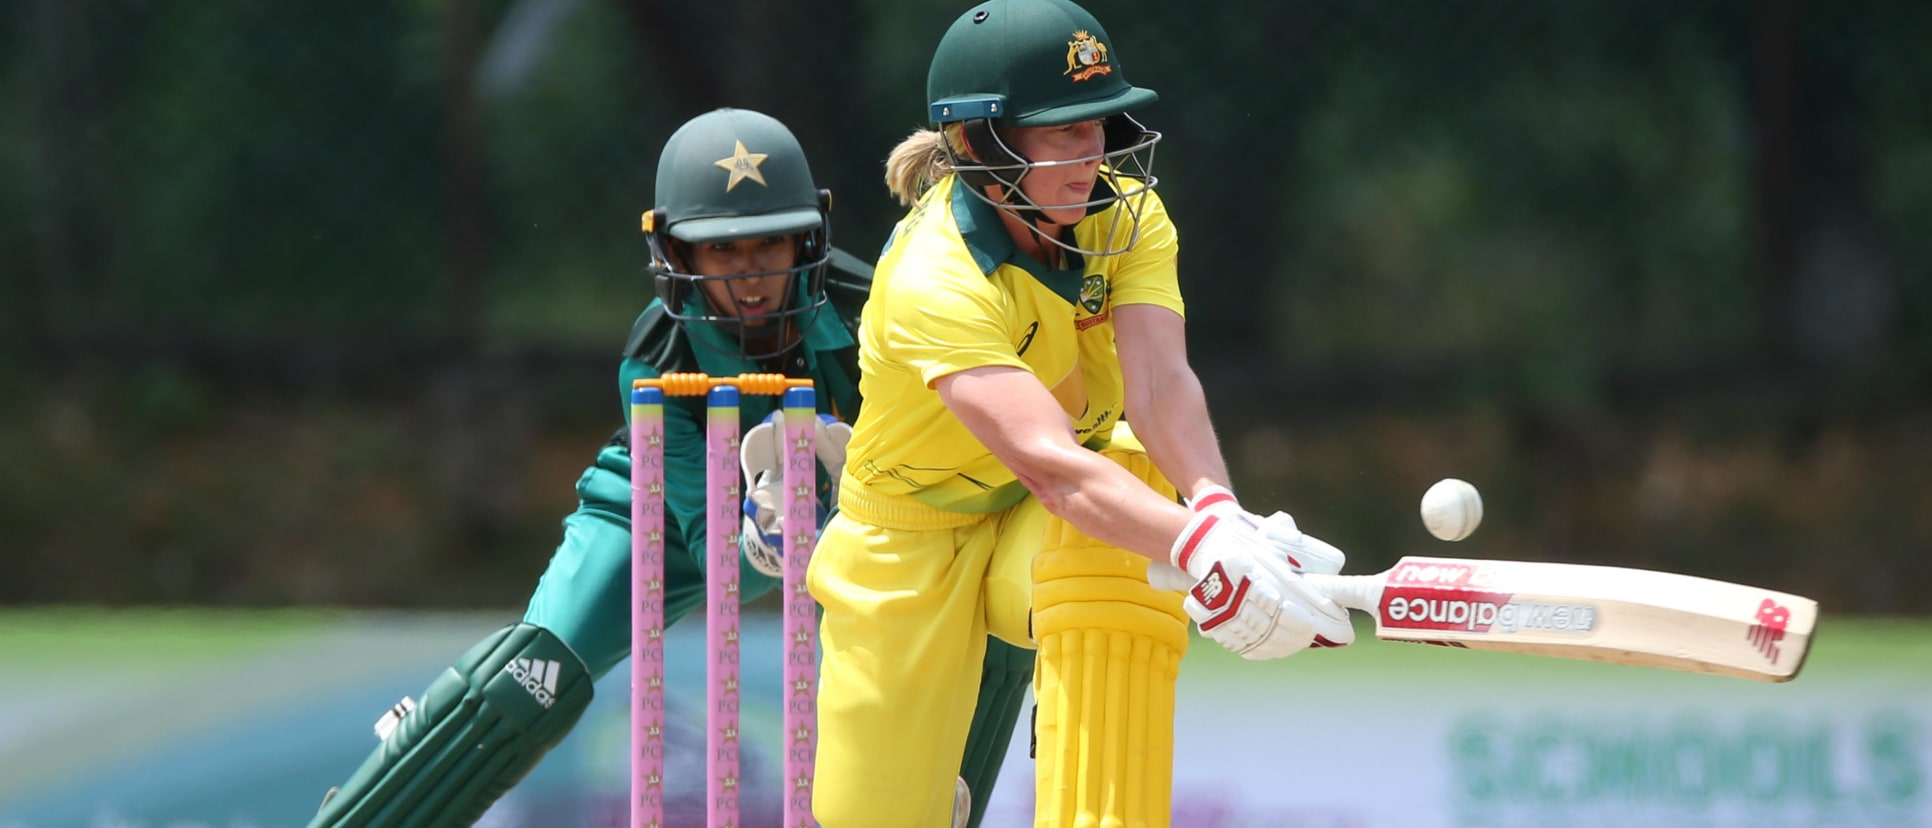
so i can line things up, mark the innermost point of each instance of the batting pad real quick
(1110, 648)
(480, 727)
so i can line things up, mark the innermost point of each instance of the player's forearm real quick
(1106, 502)
(1016, 418)
(1165, 403)
(1171, 420)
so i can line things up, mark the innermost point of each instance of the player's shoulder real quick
(658, 341)
(847, 284)
(929, 266)
(944, 256)
(848, 279)
(1157, 239)
(1143, 205)
(1154, 209)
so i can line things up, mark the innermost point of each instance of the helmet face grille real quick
(1125, 179)
(757, 336)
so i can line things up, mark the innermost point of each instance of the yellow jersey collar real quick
(990, 245)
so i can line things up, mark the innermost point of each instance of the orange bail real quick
(696, 384)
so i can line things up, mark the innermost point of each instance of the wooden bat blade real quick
(1595, 613)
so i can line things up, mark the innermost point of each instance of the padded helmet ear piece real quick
(990, 151)
(1119, 132)
(812, 240)
(654, 234)
(669, 288)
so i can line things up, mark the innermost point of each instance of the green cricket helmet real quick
(730, 175)
(1032, 63)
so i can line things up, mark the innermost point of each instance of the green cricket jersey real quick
(584, 596)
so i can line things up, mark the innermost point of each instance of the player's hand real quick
(762, 455)
(1303, 553)
(1245, 595)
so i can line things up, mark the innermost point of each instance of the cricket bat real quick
(1595, 613)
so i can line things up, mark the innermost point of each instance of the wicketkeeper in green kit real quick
(746, 282)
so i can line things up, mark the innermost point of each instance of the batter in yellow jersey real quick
(973, 300)
(935, 541)
(1025, 306)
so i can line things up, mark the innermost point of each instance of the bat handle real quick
(1356, 592)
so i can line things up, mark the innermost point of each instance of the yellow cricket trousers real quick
(909, 594)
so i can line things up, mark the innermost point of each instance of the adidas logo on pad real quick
(537, 675)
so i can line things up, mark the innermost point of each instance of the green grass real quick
(125, 636)
(1904, 641)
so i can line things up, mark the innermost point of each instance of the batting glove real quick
(1245, 595)
(1302, 552)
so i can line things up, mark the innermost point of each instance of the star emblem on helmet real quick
(742, 165)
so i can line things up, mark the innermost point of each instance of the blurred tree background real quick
(320, 303)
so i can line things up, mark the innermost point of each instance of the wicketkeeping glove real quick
(762, 455)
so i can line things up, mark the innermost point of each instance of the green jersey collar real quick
(990, 245)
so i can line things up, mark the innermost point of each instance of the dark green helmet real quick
(730, 175)
(1031, 63)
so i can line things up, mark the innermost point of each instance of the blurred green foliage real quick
(319, 302)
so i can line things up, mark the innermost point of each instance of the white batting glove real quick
(1218, 499)
(1245, 595)
(1168, 577)
(761, 453)
(1302, 552)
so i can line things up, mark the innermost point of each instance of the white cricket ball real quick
(1452, 509)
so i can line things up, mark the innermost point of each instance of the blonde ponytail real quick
(919, 161)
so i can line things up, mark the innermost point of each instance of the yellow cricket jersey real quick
(953, 292)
